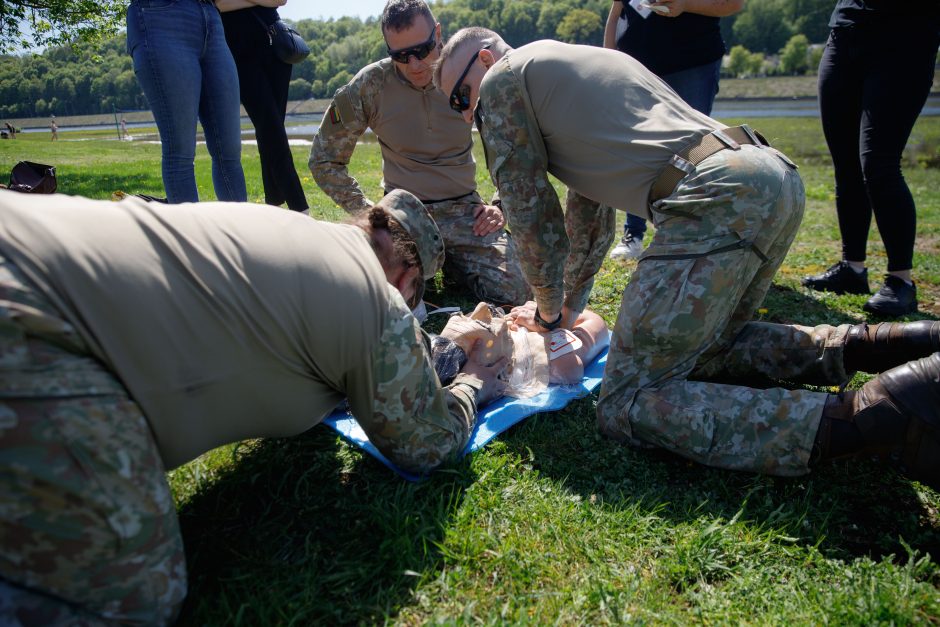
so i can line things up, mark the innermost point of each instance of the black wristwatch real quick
(549, 326)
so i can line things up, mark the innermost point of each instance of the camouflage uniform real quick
(88, 531)
(426, 149)
(720, 237)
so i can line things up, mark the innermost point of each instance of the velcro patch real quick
(334, 115)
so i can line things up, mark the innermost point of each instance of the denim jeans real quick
(187, 72)
(698, 86)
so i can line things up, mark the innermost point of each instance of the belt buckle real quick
(681, 164)
(725, 139)
(752, 135)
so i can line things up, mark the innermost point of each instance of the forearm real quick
(331, 173)
(610, 28)
(591, 228)
(415, 422)
(518, 167)
(713, 8)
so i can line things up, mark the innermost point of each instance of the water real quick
(305, 125)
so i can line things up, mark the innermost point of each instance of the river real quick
(305, 125)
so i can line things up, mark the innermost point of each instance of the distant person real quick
(54, 128)
(874, 77)
(681, 43)
(124, 134)
(263, 82)
(135, 336)
(426, 149)
(187, 72)
(10, 129)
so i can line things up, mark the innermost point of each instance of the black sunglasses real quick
(460, 94)
(419, 52)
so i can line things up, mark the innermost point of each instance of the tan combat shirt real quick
(600, 122)
(228, 321)
(426, 146)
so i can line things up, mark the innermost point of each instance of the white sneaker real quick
(628, 248)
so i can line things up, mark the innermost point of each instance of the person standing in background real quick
(679, 41)
(187, 72)
(874, 78)
(54, 128)
(263, 81)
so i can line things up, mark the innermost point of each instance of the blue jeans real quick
(187, 72)
(698, 86)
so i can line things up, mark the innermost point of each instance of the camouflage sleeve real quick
(592, 229)
(516, 160)
(343, 124)
(415, 422)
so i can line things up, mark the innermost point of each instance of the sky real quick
(326, 9)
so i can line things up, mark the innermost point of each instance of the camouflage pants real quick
(486, 265)
(88, 529)
(720, 238)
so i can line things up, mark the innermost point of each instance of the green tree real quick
(520, 22)
(299, 89)
(33, 23)
(794, 57)
(810, 18)
(338, 81)
(580, 26)
(763, 26)
(738, 60)
(742, 62)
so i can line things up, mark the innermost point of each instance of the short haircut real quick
(401, 14)
(466, 36)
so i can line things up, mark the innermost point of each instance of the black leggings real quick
(264, 80)
(873, 83)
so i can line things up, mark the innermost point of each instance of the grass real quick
(552, 523)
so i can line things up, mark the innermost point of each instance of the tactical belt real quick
(684, 162)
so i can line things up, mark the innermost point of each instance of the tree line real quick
(83, 79)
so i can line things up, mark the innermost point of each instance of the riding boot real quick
(895, 417)
(875, 348)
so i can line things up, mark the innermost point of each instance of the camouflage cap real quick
(409, 212)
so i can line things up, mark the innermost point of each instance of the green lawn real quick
(552, 523)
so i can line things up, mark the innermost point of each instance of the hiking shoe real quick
(629, 247)
(840, 278)
(895, 298)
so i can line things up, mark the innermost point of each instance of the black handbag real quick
(33, 178)
(288, 45)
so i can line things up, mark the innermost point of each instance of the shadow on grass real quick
(306, 531)
(96, 185)
(846, 509)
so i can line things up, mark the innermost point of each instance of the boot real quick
(875, 348)
(895, 417)
(839, 278)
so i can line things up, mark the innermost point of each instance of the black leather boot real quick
(895, 417)
(896, 298)
(878, 347)
(839, 278)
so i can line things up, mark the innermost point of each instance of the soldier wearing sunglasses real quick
(426, 149)
(726, 206)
